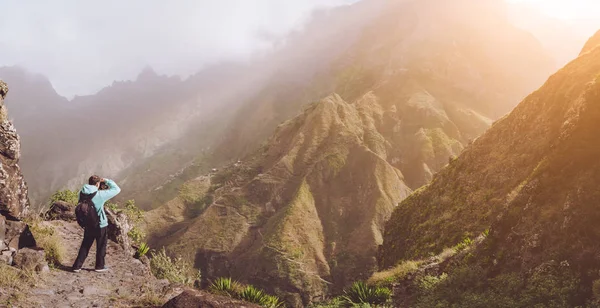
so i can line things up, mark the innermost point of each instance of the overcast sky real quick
(83, 46)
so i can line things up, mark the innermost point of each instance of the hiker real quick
(96, 230)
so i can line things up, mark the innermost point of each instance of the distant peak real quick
(147, 73)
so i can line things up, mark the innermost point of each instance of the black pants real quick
(89, 236)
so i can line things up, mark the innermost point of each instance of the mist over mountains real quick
(425, 146)
(137, 119)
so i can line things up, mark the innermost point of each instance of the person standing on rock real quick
(98, 234)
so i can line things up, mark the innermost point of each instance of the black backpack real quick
(87, 216)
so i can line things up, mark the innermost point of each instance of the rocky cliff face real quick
(14, 203)
(530, 185)
(13, 189)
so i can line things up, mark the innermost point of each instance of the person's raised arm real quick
(111, 192)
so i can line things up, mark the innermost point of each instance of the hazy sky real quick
(567, 9)
(85, 45)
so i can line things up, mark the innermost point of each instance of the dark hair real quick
(94, 179)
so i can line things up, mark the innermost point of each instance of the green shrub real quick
(51, 243)
(466, 243)
(190, 194)
(174, 270)
(134, 213)
(254, 295)
(361, 293)
(429, 282)
(225, 286)
(387, 277)
(142, 250)
(68, 196)
(135, 216)
(136, 235)
(271, 301)
(111, 206)
(228, 287)
(596, 287)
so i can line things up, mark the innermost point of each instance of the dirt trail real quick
(128, 281)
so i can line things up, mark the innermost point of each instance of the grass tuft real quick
(52, 244)
(175, 270)
(225, 286)
(386, 278)
(361, 293)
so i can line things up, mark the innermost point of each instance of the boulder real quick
(199, 299)
(13, 189)
(6, 257)
(61, 210)
(30, 259)
(18, 235)
(42, 267)
(118, 227)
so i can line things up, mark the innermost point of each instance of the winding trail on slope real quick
(127, 281)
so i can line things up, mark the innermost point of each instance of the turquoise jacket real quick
(101, 197)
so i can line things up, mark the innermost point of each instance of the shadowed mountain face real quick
(303, 214)
(533, 179)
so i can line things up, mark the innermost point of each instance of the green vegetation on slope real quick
(532, 179)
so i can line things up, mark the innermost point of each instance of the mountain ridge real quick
(529, 182)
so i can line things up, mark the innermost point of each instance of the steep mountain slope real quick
(302, 216)
(293, 213)
(533, 179)
(591, 44)
(464, 49)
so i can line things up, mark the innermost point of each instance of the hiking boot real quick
(101, 270)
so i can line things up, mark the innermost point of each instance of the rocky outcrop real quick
(14, 203)
(118, 229)
(18, 235)
(13, 189)
(199, 299)
(30, 259)
(61, 210)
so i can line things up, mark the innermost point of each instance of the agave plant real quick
(361, 293)
(252, 294)
(224, 286)
(142, 250)
(271, 301)
(257, 296)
